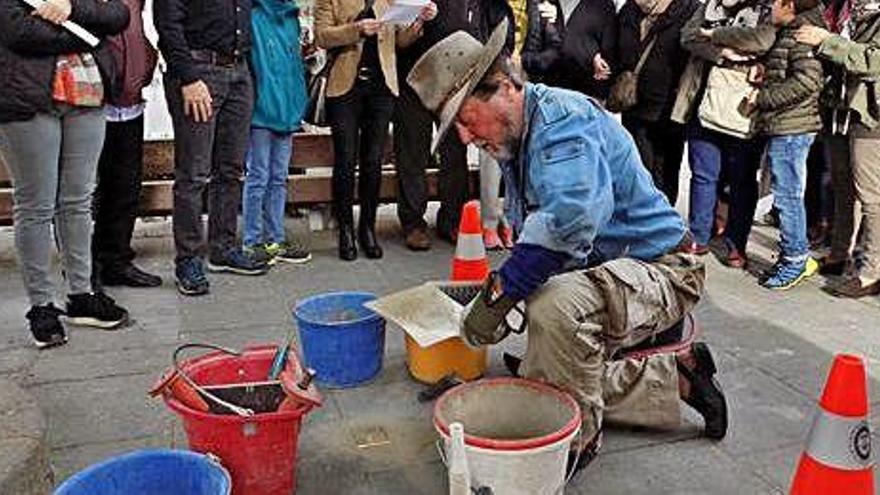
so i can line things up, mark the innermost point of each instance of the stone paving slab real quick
(681, 468)
(24, 456)
(773, 351)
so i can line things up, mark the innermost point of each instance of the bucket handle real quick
(216, 460)
(441, 452)
(241, 411)
(577, 459)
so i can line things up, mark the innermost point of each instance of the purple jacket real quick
(133, 57)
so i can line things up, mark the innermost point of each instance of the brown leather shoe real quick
(854, 288)
(831, 266)
(418, 240)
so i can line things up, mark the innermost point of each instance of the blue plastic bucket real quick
(342, 340)
(151, 472)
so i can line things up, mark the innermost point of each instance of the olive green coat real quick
(860, 58)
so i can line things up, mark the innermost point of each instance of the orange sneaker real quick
(506, 234)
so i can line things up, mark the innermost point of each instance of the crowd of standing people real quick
(787, 84)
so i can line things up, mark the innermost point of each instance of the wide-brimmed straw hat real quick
(450, 70)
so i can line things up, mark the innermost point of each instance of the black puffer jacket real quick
(658, 79)
(30, 45)
(561, 54)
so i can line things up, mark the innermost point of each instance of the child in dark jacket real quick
(787, 106)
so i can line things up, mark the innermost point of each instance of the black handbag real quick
(316, 110)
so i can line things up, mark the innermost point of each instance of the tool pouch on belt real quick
(484, 318)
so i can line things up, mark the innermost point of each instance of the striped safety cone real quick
(838, 455)
(470, 261)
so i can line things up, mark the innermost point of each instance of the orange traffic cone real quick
(470, 262)
(838, 455)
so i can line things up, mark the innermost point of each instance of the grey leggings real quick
(53, 158)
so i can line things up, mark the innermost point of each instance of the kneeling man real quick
(599, 257)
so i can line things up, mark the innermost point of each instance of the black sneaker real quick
(95, 310)
(191, 280)
(129, 276)
(45, 326)
(236, 261)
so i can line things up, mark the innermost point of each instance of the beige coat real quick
(335, 30)
(705, 54)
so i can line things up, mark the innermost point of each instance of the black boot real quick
(347, 249)
(367, 240)
(367, 229)
(705, 394)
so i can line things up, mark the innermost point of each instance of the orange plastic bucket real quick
(452, 356)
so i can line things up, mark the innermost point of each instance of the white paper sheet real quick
(423, 312)
(403, 11)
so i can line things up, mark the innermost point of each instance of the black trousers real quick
(216, 150)
(117, 194)
(661, 146)
(359, 121)
(413, 127)
(818, 196)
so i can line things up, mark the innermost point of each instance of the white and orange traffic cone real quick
(470, 261)
(838, 456)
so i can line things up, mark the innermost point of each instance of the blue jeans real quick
(716, 158)
(787, 160)
(265, 186)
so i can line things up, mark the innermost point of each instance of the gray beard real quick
(502, 155)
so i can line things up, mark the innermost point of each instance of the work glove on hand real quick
(483, 322)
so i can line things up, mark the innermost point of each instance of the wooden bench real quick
(308, 184)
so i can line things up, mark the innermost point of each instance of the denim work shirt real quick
(578, 186)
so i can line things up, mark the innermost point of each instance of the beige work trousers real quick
(577, 320)
(865, 154)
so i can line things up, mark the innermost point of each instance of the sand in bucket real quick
(517, 433)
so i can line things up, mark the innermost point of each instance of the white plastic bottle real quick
(459, 474)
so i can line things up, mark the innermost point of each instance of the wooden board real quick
(309, 151)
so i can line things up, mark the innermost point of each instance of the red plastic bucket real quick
(260, 450)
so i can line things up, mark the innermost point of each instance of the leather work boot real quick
(417, 240)
(854, 287)
(705, 394)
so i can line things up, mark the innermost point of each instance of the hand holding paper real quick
(404, 11)
(54, 13)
